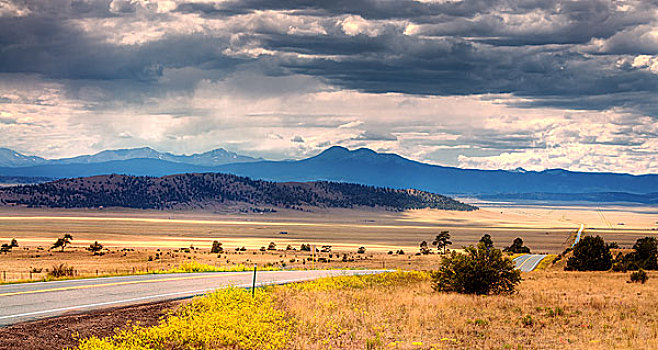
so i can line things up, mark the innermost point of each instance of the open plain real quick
(146, 240)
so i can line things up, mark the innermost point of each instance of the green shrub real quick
(590, 254)
(479, 271)
(216, 247)
(517, 247)
(639, 276)
(61, 270)
(645, 253)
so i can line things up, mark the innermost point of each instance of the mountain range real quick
(219, 156)
(338, 164)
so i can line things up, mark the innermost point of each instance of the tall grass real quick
(552, 310)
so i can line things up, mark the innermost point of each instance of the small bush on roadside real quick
(639, 276)
(61, 270)
(481, 270)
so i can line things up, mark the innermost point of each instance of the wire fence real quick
(17, 276)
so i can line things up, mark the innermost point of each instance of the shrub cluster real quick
(482, 270)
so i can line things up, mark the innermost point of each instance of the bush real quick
(639, 276)
(645, 253)
(479, 271)
(217, 247)
(590, 254)
(517, 247)
(487, 241)
(61, 270)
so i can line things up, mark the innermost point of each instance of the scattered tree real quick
(305, 247)
(424, 249)
(13, 243)
(481, 270)
(646, 253)
(289, 247)
(5, 248)
(517, 247)
(487, 241)
(361, 250)
(62, 242)
(271, 246)
(442, 240)
(95, 248)
(216, 247)
(590, 254)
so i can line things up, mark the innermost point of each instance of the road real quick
(580, 231)
(528, 262)
(30, 301)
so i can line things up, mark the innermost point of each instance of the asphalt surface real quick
(580, 231)
(30, 301)
(528, 262)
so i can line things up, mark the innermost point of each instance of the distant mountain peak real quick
(11, 158)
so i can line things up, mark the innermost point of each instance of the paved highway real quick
(580, 231)
(29, 301)
(528, 262)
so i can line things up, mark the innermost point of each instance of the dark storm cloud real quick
(561, 54)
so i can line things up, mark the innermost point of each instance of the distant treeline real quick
(213, 189)
(23, 179)
(600, 197)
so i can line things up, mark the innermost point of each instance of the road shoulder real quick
(58, 333)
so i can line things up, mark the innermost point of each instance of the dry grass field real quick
(141, 240)
(552, 310)
(23, 263)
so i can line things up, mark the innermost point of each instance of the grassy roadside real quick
(186, 267)
(400, 311)
(546, 262)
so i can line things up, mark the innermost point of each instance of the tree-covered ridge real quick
(212, 189)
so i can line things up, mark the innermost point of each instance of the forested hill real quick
(213, 190)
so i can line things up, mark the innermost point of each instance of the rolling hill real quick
(215, 190)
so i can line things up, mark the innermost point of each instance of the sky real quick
(489, 84)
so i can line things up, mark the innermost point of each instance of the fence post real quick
(253, 283)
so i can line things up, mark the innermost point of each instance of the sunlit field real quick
(552, 310)
(137, 240)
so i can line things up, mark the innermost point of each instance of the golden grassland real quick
(545, 229)
(146, 240)
(552, 310)
(21, 264)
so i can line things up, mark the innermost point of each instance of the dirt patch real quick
(58, 333)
